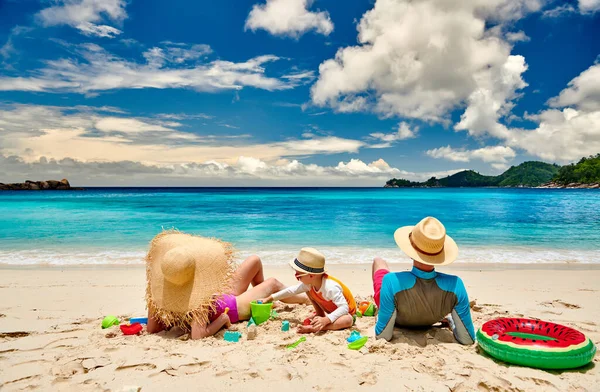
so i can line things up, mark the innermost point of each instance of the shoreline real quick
(561, 266)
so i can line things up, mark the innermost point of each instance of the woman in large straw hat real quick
(192, 280)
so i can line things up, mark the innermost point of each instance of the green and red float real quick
(535, 343)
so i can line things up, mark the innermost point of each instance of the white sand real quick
(50, 337)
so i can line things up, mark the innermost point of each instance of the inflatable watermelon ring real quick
(535, 343)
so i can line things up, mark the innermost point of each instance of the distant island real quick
(531, 174)
(50, 185)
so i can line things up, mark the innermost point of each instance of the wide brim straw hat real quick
(309, 261)
(427, 242)
(185, 274)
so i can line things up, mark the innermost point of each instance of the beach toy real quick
(131, 329)
(535, 343)
(258, 301)
(296, 343)
(251, 332)
(358, 343)
(232, 336)
(226, 310)
(260, 312)
(285, 326)
(274, 314)
(250, 322)
(355, 335)
(141, 320)
(367, 308)
(358, 313)
(306, 321)
(109, 321)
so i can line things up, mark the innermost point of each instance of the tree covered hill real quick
(586, 171)
(528, 174)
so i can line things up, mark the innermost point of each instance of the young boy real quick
(334, 304)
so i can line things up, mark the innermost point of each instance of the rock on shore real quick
(38, 185)
(574, 185)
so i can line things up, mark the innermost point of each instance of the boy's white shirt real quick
(330, 290)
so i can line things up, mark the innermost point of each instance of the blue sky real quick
(293, 92)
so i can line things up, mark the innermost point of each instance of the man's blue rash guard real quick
(419, 298)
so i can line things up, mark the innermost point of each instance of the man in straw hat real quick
(193, 283)
(422, 296)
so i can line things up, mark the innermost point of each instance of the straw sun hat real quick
(185, 274)
(309, 261)
(427, 242)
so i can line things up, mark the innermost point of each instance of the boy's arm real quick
(463, 329)
(386, 318)
(289, 291)
(336, 295)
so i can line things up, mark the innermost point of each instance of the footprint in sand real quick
(186, 369)
(14, 335)
(368, 378)
(29, 380)
(537, 381)
(557, 303)
(138, 366)
(94, 363)
(68, 369)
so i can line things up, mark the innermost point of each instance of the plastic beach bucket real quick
(260, 312)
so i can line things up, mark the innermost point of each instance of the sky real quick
(293, 92)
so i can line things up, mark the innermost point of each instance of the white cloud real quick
(583, 92)
(424, 59)
(88, 134)
(86, 16)
(288, 18)
(244, 170)
(492, 100)
(565, 133)
(559, 11)
(98, 70)
(175, 53)
(589, 6)
(518, 36)
(8, 50)
(404, 132)
(183, 116)
(561, 135)
(497, 154)
(584, 7)
(104, 31)
(322, 145)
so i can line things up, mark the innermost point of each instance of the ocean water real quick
(349, 225)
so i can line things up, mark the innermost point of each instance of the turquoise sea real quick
(349, 225)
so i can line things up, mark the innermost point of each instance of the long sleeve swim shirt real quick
(333, 297)
(419, 298)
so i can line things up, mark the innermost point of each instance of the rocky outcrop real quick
(574, 185)
(28, 185)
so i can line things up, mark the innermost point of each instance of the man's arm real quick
(386, 317)
(463, 329)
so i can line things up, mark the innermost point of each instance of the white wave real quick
(282, 255)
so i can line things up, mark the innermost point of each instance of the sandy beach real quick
(50, 337)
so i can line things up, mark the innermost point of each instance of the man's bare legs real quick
(378, 263)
